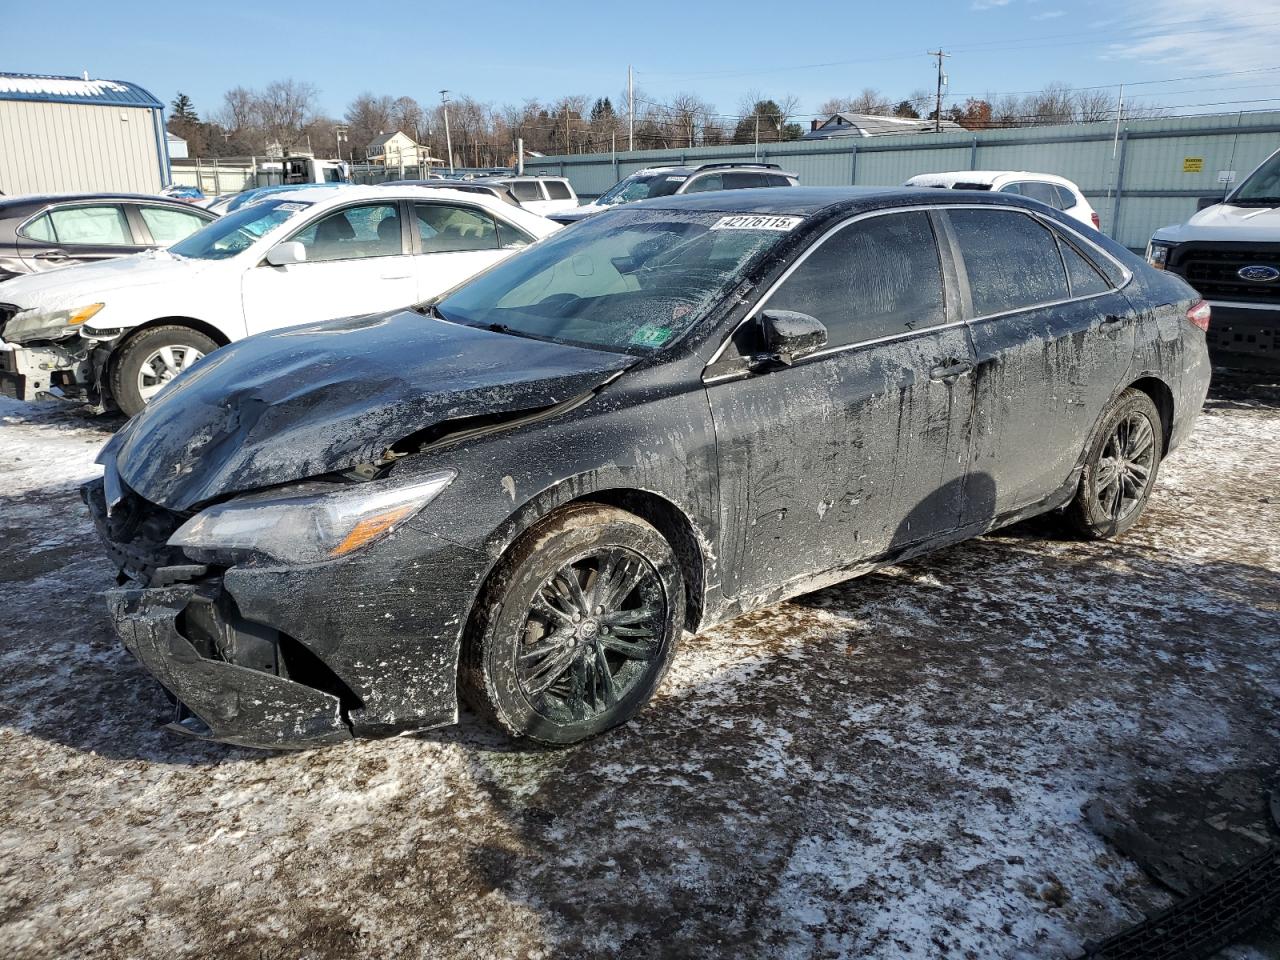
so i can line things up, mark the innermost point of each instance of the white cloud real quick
(989, 4)
(1229, 35)
(1050, 15)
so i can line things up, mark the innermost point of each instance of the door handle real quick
(950, 370)
(396, 276)
(51, 255)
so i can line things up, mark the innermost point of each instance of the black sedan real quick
(523, 492)
(57, 230)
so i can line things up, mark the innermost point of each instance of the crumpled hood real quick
(1226, 222)
(311, 400)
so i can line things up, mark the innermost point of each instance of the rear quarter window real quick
(558, 190)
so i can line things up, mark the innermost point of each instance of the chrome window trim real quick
(1049, 224)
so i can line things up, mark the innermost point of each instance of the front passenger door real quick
(861, 449)
(356, 264)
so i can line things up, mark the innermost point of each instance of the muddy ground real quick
(895, 767)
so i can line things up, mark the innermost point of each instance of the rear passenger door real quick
(453, 242)
(77, 233)
(1053, 340)
(859, 450)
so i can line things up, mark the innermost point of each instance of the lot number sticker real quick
(753, 221)
(1193, 164)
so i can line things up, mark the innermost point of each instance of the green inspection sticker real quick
(650, 335)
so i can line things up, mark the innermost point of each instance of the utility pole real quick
(937, 116)
(448, 141)
(566, 127)
(631, 109)
(757, 153)
(340, 134)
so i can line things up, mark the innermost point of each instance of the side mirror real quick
(788, 335)
(1203, 202)
(283, 254)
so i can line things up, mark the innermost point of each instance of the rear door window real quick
(557, 190)
(91, 226)
(1012, 261)
(168, 225)
(776, 180)
(743, 180)
(875, 278)
(448, 228)
(526, 190)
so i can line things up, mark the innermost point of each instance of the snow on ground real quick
(893, 767)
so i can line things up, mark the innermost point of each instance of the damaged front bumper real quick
(230, 702)
(295, 656)
(33, 372)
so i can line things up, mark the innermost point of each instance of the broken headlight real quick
(306, 528)
(51, 325)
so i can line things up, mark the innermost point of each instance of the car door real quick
(77, 233)
(455, 241)
(1053, 341)
(861, 449)
(357, 263)
(530, 195)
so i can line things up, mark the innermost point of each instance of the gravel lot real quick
(894, 767)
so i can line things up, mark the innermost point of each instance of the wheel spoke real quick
(629, 649)
(624, 617)
(607, 686)
(550, 670)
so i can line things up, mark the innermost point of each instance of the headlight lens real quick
(308, 528)
(1158, 253)
(32, 325)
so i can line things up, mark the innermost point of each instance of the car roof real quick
(988, 177)
(809, 201)
(32, 200)
(346, 193)
(750, 166)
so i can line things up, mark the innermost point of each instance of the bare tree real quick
(368, 117)
(283, 108)
(407, 116)
(869, 101)
(1094, 105)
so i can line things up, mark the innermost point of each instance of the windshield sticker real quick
(650, 335)
(754, 221)
(292, 207)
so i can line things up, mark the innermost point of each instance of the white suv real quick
(1048, 188)
(541, 195)
(120, 330)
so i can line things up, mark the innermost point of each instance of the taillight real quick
(1198, 315)
(1097, 220)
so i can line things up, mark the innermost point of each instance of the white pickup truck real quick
(1230, 252)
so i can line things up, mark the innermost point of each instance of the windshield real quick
(642, 187)
(1262, 184)
(631, 281)
(238, 231)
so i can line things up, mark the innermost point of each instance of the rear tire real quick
(576, 626)
(1120, 468)
(148, 360)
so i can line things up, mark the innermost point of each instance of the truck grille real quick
(1213, 271)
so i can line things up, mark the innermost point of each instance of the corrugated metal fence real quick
(1140, 177)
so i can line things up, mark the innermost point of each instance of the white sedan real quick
(120, 330)
(1056, 191)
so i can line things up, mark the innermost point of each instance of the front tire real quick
(1120, 468)
(150, 359)
(576, 627)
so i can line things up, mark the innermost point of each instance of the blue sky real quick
(719, 50)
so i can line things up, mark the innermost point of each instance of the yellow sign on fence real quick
(1193, 164)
